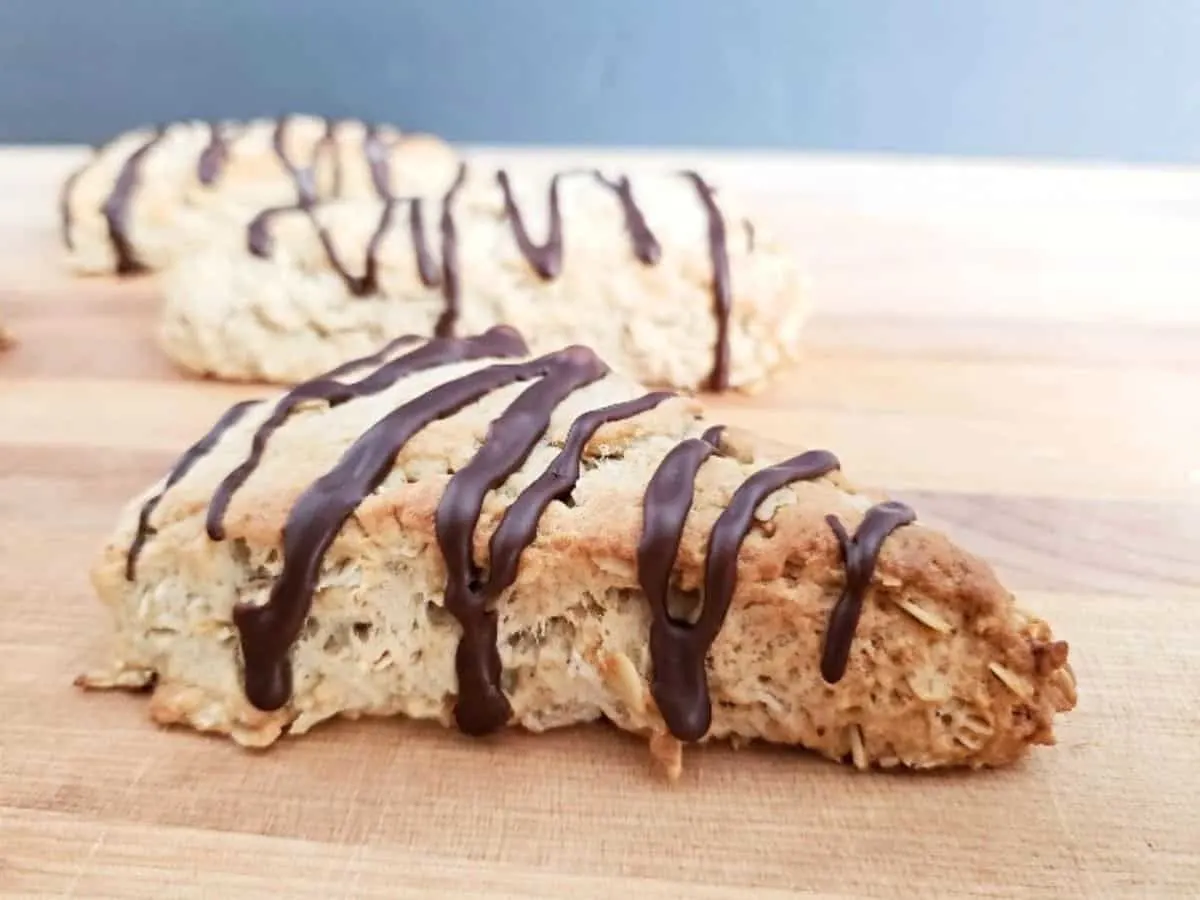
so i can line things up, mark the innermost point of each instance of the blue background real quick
(1108, 79)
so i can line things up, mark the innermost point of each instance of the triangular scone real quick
(640, 564)
(152, 195)
(672, 280)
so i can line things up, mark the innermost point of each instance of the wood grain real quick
(1015, 350)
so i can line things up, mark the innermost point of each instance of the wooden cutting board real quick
(1013, 349)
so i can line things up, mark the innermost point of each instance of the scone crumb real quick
(119, 678)
(1011, 680)
(924, 616)
(667, 751)
(858, 752)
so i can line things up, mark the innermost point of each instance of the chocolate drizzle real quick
(267, 632)
(184, 465)
(116, 207)
(214, 155)
(677, 649)
(645, 245)
(546, 259)
(496, 342)
(482, 706)
(518, 526)
(376, 153)
(305, 178)
(859, 554)
(448, 320)
(679, 646)
(718, 379)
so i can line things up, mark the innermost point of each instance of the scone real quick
(670, 280)
(150, 196)
(6, 338)
(454, 530)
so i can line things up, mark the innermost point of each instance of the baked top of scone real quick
(455, 529)
(673, 280)
(151, 194)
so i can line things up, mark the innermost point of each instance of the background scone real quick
(452, 530)
(152, 195)
(670, 280)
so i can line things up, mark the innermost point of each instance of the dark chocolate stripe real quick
(427, 269)
(116, 207)
(448, 321)
(860, 554)
(214, 155)
(498, 342)
(305, 178)
(268, 632)
(678, 682)
(546, 259)
(357, 285)
(378, 160)
(260, 243)
(184, 465)
(482, 706)
(369, 282)
(518, 527)
(718, 379)
(645, 245)
(258, 234)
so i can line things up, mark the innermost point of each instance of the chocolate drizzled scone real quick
(150, 196)
(454, 530)
(667, 278)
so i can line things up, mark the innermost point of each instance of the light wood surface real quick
(1014, 349)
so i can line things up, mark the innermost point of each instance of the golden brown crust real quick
(944, 669)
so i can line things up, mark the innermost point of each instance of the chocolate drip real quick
(448, 321)
(305, 178)
(718, 379)
(645, 245)
(426, 267)
(369, 282)
(546, 258)
(376, 153)
(258, 235)
(482, 706)
(214, 155)
(260, 243)
(184, 465)
(860, 554)
(116, 207)
(518, 527)
(267, 632)
(499, 341)
(677, 650)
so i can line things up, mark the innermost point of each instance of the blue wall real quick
(1082, 78)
